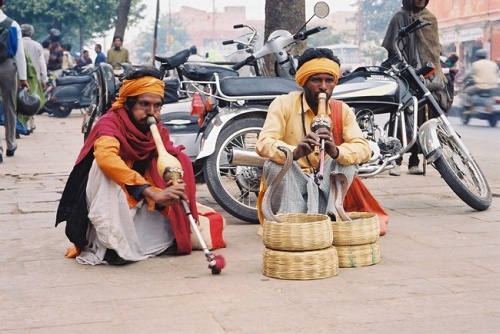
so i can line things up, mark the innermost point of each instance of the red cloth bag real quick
(358, 197)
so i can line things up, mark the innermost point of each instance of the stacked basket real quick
(299, 247)
(356, 241)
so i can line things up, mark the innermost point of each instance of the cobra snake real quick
(338, 180)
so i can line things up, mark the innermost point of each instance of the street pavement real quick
(439, 270)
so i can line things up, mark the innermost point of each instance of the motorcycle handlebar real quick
(228, 42)
(303, 35)
(242, 63)
(408, 29)
(238, 26)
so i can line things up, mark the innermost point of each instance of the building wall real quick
(208, 30)
(468, 25)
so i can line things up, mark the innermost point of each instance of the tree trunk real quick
(122, 18)
(288, 15)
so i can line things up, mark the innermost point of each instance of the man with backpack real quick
(12, 69)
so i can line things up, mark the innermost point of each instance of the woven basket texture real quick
(364, 228)
(358, 256)
(298, 232)
(300, 265)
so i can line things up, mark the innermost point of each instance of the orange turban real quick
(139, 86)
(317, 66)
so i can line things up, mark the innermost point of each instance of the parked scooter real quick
(76, 89)
(233, 170)
(483, 104)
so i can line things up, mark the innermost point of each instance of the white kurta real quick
(134, 233)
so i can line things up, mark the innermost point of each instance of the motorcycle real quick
(179, 87)
(76, 89)
(483, 104)
(235, 117)
(233, 170)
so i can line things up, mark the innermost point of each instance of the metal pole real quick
(155, 40)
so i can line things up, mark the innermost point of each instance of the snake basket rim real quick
(363, 229)
(298, 232)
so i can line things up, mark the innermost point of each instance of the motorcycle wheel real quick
(462, 174)
(96, 108)
(60, 111)
(493, 121)
(235, 189)
(465, 118)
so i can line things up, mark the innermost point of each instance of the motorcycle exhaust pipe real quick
(245, 157)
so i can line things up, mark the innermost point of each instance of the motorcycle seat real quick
(257, 86)
(72, 80)
(169, 63)
(206, 71)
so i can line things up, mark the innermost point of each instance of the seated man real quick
(117, 206)
(288, 123)
(482, 76)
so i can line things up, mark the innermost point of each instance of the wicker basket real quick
(300, 265)
(298, 232)
(358, 256)
(364, 228)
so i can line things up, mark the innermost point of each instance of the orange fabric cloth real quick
(137, 87)
(317, 66)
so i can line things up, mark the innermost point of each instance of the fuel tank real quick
(363, 88)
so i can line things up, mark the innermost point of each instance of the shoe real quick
(1, 159)
(10, 153)
(112, 258)
(415, 170)
(396, 171)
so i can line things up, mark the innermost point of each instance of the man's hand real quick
(172, 194)
(24, 83)
(309, 142)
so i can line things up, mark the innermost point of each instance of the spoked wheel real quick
(235, 188)
(462, 173)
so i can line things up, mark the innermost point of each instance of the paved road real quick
(439, 270)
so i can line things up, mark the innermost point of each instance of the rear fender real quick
(211, 134)
(67, 94)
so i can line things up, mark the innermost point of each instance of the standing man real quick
(423, 47)
(35, 52)
(116, 205)
(117, 54)
(13, 75)
(100, 57)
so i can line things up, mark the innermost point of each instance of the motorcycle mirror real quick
(321, 9)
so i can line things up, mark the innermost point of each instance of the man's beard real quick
(141, 125)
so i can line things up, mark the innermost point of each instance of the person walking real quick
(422, 47)
(117, 206)
(34, 50)
(13, 75)
(117, 54)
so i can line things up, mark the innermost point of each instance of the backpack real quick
(4, 39)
